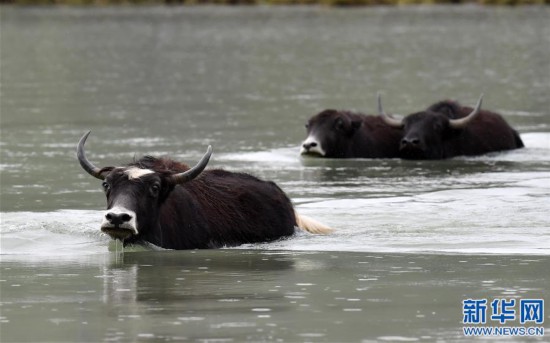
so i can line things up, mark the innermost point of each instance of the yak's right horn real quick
(87, 165)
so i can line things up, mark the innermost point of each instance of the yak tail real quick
(517, 138)
(311, 225)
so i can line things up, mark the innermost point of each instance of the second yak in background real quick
(346, 134)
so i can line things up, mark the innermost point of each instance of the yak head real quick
(136, 191)
(329, 133)
(425, 133)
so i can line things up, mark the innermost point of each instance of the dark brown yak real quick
(346, 134)
(447, 129)
(168, 204)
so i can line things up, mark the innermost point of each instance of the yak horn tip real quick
(463, 122)
(480, 99)
(208, 153)
(479, 102)
(195, 171)
(86, 134)
(84, 163)
(379, 100)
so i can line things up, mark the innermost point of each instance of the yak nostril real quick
(118, 218)
(309, 145)
(410, 142)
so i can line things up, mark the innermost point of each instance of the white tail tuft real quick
(311, 225)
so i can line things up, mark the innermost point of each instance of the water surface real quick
(412, 240)
(249, 295)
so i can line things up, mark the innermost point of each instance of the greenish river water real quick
(413, 239)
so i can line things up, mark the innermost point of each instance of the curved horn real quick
(87, 165)
(387, 119)
(462, 122)
(195, 171)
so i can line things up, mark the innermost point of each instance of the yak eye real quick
(105, 186)
(155, 189)
(339, 124)
(307, 125)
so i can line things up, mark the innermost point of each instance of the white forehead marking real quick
(135, 173)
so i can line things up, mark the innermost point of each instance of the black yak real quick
(447, 129)
(346, 134)
(168, 204)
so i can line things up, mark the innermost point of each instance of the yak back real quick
(237, 208)
(382, 139)
(219, 208)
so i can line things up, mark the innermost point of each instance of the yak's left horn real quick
(87, 165)
(386, 118)
(462, 122)
(195, 171)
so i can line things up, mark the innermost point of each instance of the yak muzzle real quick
(410, 143)
(312, 146)
(119, 223)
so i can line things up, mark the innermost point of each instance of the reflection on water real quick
(239, 296)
